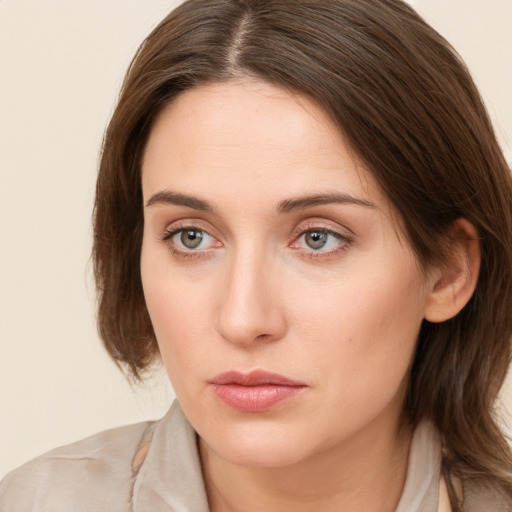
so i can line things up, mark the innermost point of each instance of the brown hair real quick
(409, 109)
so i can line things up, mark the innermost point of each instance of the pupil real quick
(316, 239)
(191, 238)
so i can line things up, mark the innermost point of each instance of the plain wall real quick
(61, 66)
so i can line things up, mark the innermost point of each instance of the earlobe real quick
(454, 282)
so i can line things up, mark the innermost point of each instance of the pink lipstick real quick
(256, 391)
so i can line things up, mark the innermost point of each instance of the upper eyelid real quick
(322, 225)
(180, 225)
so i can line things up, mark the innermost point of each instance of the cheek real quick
(363, 334)
(378, 304)
(175, 316)
(179, 313)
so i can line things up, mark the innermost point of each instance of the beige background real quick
(61, 65)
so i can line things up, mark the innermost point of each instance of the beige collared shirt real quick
(155, 467)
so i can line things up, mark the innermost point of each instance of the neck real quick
(367, 472)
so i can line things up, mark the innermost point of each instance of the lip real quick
(256, 391)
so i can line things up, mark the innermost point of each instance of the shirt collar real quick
(421, 489)
(170, 479)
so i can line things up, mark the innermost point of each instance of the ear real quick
(452, 283)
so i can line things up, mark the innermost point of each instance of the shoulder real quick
(92, 474)
(481, 497)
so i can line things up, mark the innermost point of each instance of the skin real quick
(342, 318)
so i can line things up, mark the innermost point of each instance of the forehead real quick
(241, 134)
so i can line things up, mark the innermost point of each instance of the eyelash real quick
(343, 239)
(181, 253)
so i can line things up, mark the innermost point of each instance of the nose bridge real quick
(250, 309)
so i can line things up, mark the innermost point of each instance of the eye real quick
(316, 239)
(189, 239)
(320, 240)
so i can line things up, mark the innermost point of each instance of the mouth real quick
(256, 391)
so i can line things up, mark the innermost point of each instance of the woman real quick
(302, 208)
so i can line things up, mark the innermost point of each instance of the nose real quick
(251, 311)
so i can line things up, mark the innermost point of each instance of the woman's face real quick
(268, 248)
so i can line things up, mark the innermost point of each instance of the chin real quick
(258, 447)
(258, 456)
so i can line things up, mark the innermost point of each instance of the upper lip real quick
(254, 378)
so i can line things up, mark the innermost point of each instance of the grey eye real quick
(321, 240)
(316, 239)
(191, 238)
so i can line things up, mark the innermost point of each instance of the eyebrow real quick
(286, 206)
(302, 203)
(166, 197)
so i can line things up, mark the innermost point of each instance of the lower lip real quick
(254, 398)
